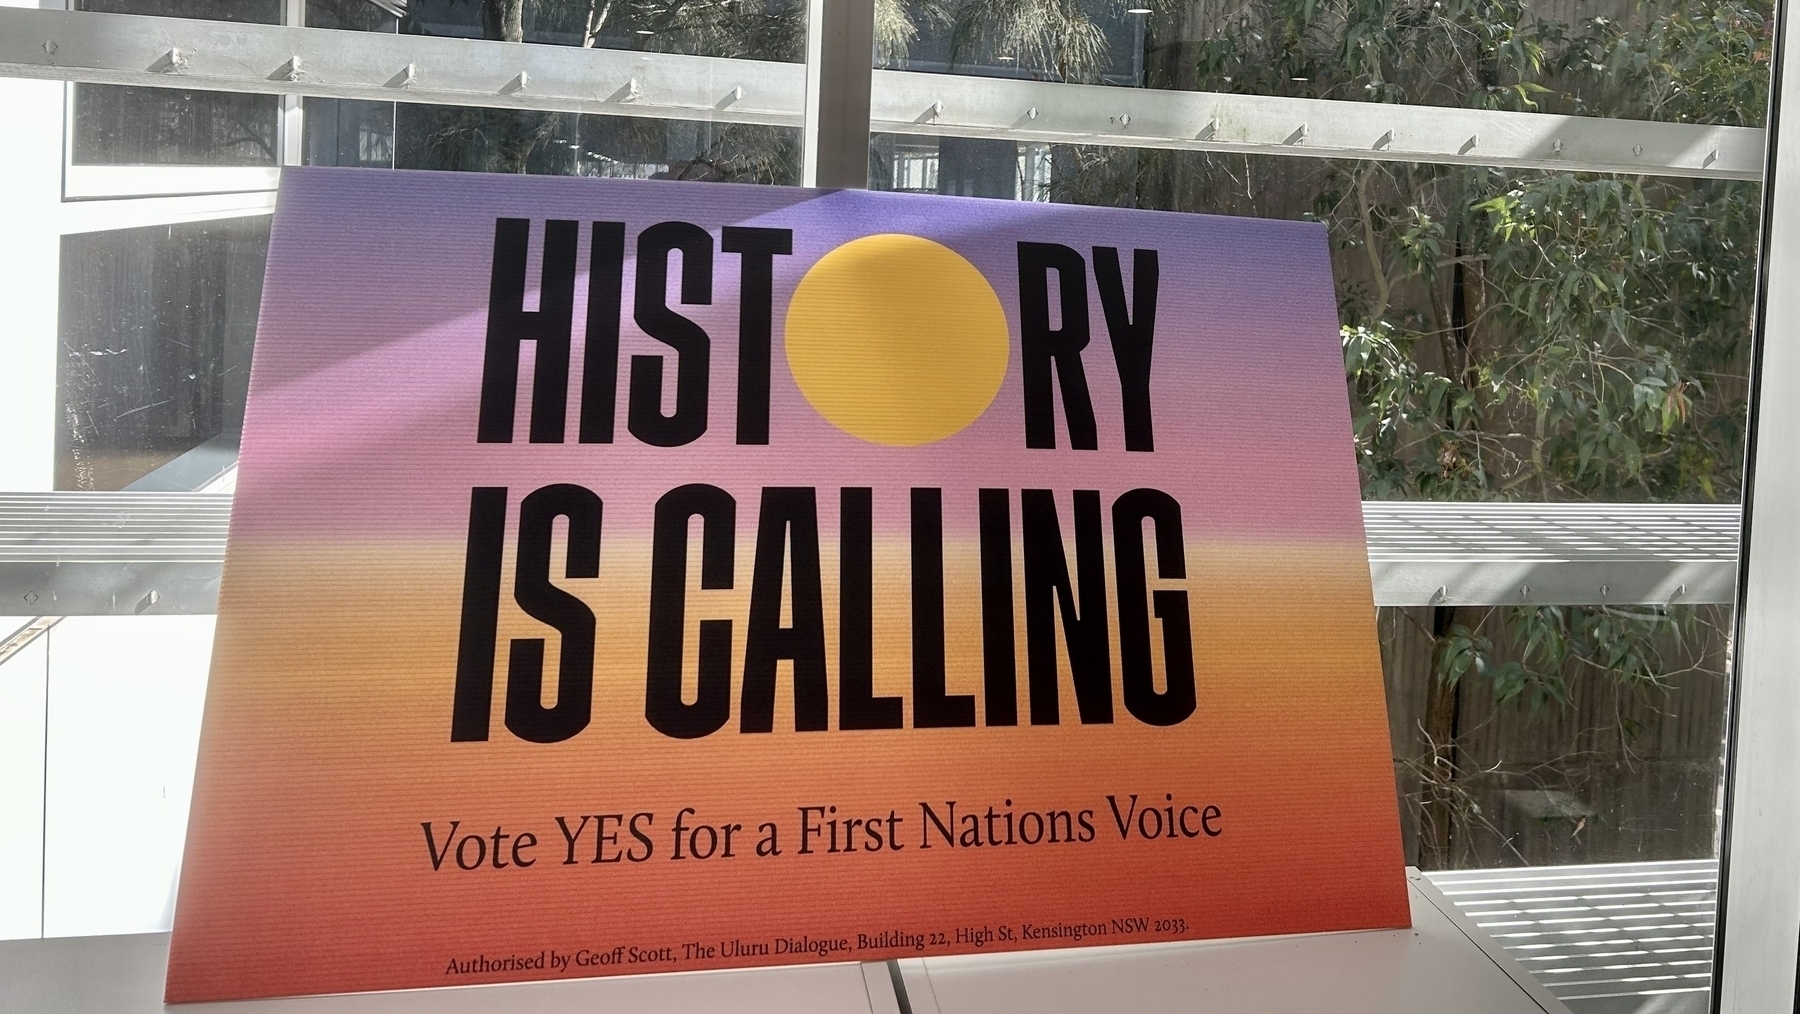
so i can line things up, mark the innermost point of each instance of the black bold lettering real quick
(1176, 702)
(756, 306)
(526, 715)
(509, 324)
(1048, 590)
(1042, 350)
(789, 525)
(1000, 679)
(600, 363)
(474, 699)
(858, 707)
(664, 704)
(929, 820)
(693, 349)
(932, 708)
(1133, 335)
(438, 854)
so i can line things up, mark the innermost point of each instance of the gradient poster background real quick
(342, 840)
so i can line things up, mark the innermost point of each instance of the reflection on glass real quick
(961, 167)
(1084, 41)
(119, 125)
(155, 328)
(744, 29)
(349, 132)
(1662, 59)
(466, 139)
(260, 12)
(355, 15)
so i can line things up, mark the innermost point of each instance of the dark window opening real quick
(154, 337)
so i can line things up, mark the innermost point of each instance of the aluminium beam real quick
(840, 35)
(136, 552)
(1044, 112)
(1528, 554)
(111, 554)
(181, 53)
(128, 49)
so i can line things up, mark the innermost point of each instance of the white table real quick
(1442, 964)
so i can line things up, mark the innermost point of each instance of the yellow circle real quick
(897, 340)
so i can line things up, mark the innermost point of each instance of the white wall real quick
(22, 683)
(99, 724)
(99, 717)
(125, 696)
(31, 121)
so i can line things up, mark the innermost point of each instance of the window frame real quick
(837, 97)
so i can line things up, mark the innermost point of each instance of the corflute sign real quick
(637, 577)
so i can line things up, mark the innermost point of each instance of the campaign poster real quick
(632, 576)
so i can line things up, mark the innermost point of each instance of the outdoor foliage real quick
(1508, 334)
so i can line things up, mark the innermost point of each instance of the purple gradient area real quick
(364, 392)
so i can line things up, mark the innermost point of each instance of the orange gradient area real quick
(327, 746)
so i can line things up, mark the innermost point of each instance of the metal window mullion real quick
(840, 42)
(1759, 878)
(293, 106)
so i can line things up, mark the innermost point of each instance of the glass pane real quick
(349, 132)
(1659, 60)
(1563, 759)
(1526, 336)
(1509, 334)
(118, 125)
(745, 29)
(155, 332)
(409, 136)
(353, 15)
(261, 12)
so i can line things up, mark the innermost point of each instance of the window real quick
(740, 29)
(155, 329)
(1544, 221)
(1576, 57)
(1511, 334)
(116, 125)
(255, 12)
(411, 136)
(116, 131)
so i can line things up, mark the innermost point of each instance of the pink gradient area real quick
(364, 392)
